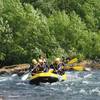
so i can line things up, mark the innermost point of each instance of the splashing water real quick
(79, 86)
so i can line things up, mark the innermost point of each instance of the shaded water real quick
(87, 88)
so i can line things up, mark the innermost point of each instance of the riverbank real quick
(22, 68)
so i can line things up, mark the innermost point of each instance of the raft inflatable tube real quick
(44, 77)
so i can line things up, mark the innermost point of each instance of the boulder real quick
(18, 69)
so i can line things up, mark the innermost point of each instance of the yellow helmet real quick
(34, 61)
(57, 60)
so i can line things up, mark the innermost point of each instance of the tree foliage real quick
(29, 28)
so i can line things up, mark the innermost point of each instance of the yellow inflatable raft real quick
(46, 77)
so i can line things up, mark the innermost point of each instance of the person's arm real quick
(31, 67)
(45, 68)
(51, 66)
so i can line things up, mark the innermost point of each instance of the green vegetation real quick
(54, 27)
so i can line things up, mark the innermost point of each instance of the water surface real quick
(87, 88)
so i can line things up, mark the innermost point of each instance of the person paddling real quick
(42, 66)
(43, 58)
(57, 66)
(34, 66)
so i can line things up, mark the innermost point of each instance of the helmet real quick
(57, 60)
(40, 61)
(34, 61)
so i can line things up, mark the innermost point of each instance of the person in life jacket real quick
(43, 58)
(33, 66)
(57, 66)
(42, 66)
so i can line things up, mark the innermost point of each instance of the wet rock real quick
(91, 63)
(14, 69)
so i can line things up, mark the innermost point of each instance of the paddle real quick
(26, 75)
(76, 67)
(74, 60)
(70, 65)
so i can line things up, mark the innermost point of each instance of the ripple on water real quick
(83, 91)
(12, 88)
(95, 91)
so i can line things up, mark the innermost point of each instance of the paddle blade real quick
(78, 68)
(73, 61)
(25, 76)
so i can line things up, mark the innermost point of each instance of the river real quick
(87, 88)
